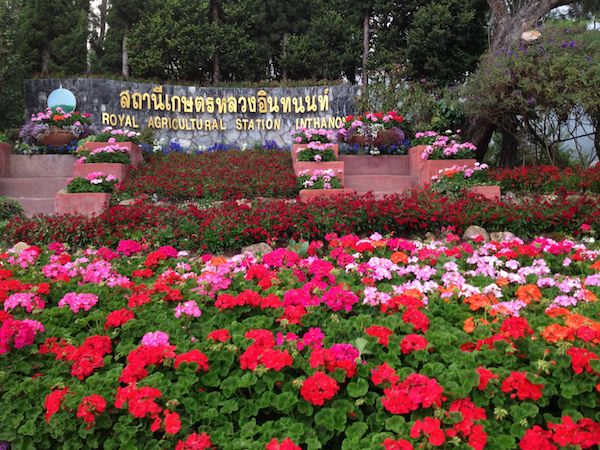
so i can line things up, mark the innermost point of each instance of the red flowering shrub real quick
(215, 176)
(232, 225)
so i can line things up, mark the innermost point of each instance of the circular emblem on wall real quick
(62, 98)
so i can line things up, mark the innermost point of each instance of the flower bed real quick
(548, 179)
(373, 343)
(233, 225)
(214, 176)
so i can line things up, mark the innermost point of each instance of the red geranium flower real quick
(318, 388)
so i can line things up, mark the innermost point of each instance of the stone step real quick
(375, 165)
(32, 187)
(34, 206)
(23, 166)
(380, 183)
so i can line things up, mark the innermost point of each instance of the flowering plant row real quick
(92, 182)
(118, 134)
(307, 135)
(233, 225)
(316, 152)
(111, 153)
(318, 179)
(344, 343)
(548, 179)
(456, 178)
(444, 146)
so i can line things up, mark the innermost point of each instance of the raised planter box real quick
(296, 147)
(489, 192)
(376, 164)
(336, 166)
(306, 195)
(87, 203)
(424, 169)
(118, 170)
(134, 150)
(40, 166)
(4, 159)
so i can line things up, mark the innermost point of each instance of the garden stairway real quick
(34, 181)
(381, 174)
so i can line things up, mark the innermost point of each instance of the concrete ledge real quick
(34, 166)
(87, 204)
(306, 195)
(4, 159)
(118, 170)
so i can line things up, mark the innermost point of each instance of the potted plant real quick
(453, 181)
(54, 127)
(319, 184)
(111, 159)
(376, 133)
(126, 138)
(435, 151)
(89, 195)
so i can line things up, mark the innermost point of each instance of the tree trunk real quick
(596, 125)
(214, 13)
(480, 133)
(125, 54)
(365, 51)
(103, 12)
(45, 60)
(509, 147)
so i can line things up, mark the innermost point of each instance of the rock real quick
(127, 202)
(19, 247)
(429, 236)
(496, 236)
(255, 249)
(473, 231)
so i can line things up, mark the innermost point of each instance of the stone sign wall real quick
(198, 116)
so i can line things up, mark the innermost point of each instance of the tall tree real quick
(126, 14)
(509, 19)
(53, 35)
(11, 66)
(446, 39)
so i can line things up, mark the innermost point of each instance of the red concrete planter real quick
(118, 170)
(86, 203)
(4, 159)
(306, 195)
(336, 166)
(135, 152)
(296, 147)
(489, 192)
(424, 169)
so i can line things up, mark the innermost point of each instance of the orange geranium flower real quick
(414, 293)
(556, 332)
(577, 320)
(589, 296)
(58, 118)
(399, 257)
(558, 312)
(218, 260)
(469, 325)
(478, 301)
(529, 292)
(596, 266)
(502, 282)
